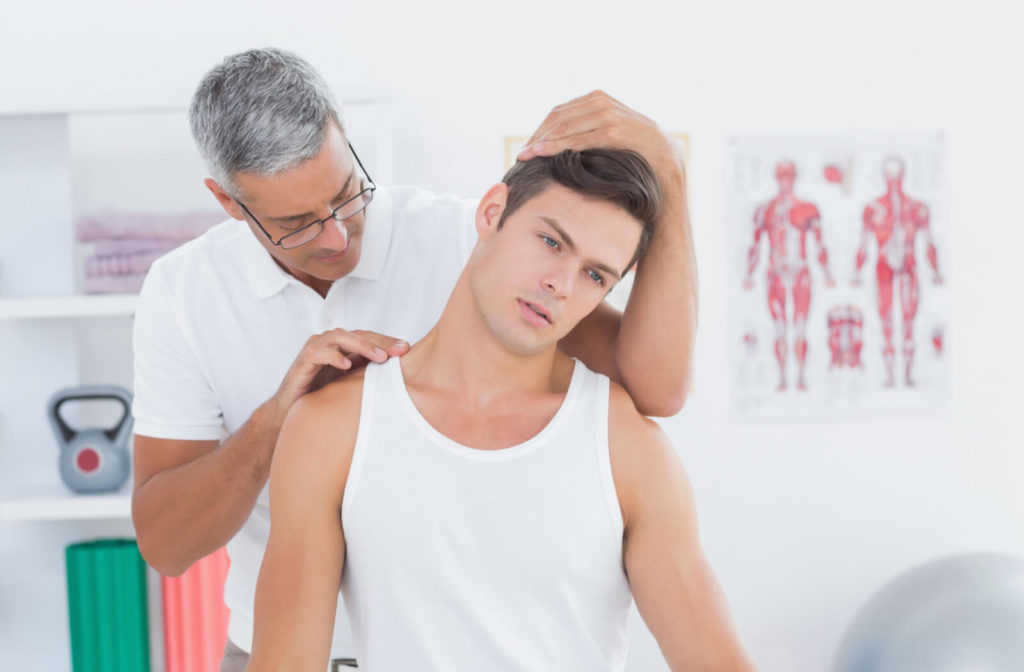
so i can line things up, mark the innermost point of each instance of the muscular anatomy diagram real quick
(786, 220)
(845, 337)
(894, 220)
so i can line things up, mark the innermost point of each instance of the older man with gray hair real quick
(320, 269)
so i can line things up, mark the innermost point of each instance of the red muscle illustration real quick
(894, 220)
(786, 220)
(845, 336)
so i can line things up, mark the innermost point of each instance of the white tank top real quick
(461, 559)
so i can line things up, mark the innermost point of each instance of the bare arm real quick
(649, 347)
(296, 595)
(675, 589)
(191, 497)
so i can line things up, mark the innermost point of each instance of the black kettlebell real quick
(92, 459)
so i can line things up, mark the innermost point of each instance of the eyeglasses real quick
(349, 208)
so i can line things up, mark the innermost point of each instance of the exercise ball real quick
(962, 613)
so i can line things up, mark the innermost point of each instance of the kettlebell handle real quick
(117, 433)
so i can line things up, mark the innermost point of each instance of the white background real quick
(801, 521)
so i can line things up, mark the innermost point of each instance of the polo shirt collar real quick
(263, 274)
(266, 278)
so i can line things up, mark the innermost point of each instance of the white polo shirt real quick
(219, 323)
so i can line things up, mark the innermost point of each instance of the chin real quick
(527, 347)
(337, 273)
(334, 271)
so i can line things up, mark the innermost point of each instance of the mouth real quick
(336, 256)
(332, 258)
(534, 313)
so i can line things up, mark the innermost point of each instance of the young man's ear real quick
(226, 200)
(491, 207)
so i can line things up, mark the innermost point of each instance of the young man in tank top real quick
(493, 504)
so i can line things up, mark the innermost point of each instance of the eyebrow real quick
(553, 223)
(307, 215)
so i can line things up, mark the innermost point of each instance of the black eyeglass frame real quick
(370, 187)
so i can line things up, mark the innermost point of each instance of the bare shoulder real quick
(333, 406)
(645, 465)
(319, 433)
(633, 436)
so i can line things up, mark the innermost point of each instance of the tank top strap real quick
(371, 382)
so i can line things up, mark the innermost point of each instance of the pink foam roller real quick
(195, 618)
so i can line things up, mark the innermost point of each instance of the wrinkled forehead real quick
(312, 181)
(594, 226)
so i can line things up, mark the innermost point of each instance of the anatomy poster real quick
(837, 275)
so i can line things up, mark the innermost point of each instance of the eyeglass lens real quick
(344, 211)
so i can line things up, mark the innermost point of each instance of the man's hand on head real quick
(598, 120)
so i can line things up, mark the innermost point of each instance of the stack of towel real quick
(120, 246)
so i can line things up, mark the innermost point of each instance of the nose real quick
(559, 279)
(335, 234)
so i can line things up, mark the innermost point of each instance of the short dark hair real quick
(619, 176)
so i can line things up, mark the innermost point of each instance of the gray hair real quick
(262, 111)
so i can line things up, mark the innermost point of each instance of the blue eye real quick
(596, 277)
(549, 241)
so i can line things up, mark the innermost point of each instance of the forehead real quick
(312, 182)
(597, 226)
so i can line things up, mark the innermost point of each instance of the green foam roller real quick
(107, 606)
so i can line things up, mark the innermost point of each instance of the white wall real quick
(803, 521)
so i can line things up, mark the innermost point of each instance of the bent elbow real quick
(156, 552)
(663, 406)
(158, 558)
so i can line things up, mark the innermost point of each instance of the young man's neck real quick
(462, 354)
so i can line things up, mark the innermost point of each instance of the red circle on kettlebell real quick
(88, 460)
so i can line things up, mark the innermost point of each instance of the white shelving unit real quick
(57, 166)
(50, 500)
(56, 307)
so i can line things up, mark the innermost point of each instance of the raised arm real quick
(673, 585)
(649, 347)
(296, 595)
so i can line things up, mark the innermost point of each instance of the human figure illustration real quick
(845, 337)
(894, 219)
(787, 220)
